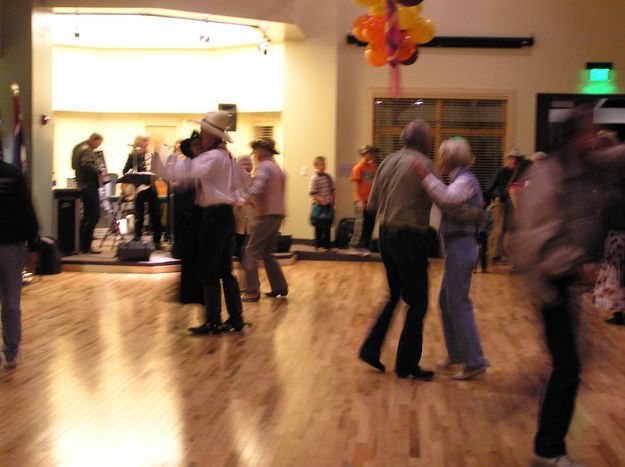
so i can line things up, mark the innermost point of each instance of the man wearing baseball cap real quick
(363, 174)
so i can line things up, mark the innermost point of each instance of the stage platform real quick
(161, 261)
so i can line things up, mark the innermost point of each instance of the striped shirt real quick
(321, 185)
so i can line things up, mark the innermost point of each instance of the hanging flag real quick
(19, 149)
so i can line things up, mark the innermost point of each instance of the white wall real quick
(161, 81)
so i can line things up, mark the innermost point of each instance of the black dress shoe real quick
(372, 360)
(617, 318)
(233, 326)
(416, 373)
(206, 328)
(277, 293)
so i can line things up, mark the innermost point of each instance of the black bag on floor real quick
(50, 256)
(344, 232)
(134, 251)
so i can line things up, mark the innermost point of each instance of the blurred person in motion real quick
(403, 210)
(558, 226)
(609, 290)
(461, 204)
(18, 225)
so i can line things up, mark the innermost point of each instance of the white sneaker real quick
(469, 373)
(559, 461)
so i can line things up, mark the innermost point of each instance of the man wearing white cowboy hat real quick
(267, 192)
(217, 177)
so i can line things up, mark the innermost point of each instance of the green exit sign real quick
(599, 74)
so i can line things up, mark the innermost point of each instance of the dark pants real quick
(90, 200)
(154, 208)
(368, 222)
(216, 246)
(404, 257)
(322, 234)
(483, 243)
(559, 399)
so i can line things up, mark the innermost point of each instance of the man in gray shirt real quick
(403, 211)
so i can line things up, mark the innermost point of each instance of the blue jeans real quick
(461, 336)
(404, 257)
(11, 265)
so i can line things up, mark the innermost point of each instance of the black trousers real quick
(154, 208)
(90, 199)
(559, 399)
(368, 222)
(404, 257)
(216, 246)
(322, 234)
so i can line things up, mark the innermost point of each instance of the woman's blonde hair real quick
(455, 152)
(139, 139)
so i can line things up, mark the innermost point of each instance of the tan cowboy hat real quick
(216, 123)
(266, 143)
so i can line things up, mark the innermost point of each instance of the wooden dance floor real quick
(109, 376)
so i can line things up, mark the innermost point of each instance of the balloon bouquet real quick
(393, 30)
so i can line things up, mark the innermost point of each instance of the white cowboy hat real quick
(216, 123)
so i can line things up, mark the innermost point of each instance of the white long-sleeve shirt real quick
(457, 192)
(217, 177)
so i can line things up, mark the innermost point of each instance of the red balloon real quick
(406, 47)
(413, 58)
(373, 30)
(376, 55)
(410, 2)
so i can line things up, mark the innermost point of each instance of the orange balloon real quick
(358, 27)
(406, 47)
(423, 30)
(373, 30)
(378, 9)
(376, 56)
(365, 2)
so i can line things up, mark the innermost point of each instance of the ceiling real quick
(155, 30)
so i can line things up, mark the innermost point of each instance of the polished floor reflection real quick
(110, 377)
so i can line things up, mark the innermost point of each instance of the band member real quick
(85, 163)
(140, 160)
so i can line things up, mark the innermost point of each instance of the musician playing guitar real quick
(85, 163)
(139, 160)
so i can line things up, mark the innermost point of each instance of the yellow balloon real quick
(378, 8)
(408, 16)
(365, 2)
(423, 30)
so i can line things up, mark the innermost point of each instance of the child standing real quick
(322, 191)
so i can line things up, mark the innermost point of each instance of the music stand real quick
(133, 178)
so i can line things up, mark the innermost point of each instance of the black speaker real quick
(66, 219)
(232, 110)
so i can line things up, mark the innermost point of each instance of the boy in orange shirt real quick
(363, 174)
